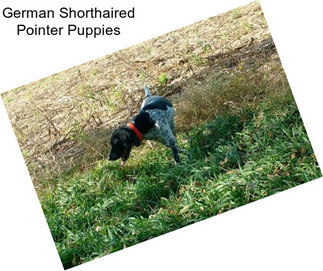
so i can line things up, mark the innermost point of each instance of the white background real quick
(281, 232)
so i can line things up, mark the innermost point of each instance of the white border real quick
(282, 232)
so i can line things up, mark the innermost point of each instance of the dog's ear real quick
(131, 137)
(125, 138)
(128, 138)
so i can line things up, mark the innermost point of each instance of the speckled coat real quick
(155, 121)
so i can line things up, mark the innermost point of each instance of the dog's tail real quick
(147, 92)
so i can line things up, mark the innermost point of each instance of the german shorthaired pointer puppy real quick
(155, 121)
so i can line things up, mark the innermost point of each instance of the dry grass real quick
(64, 121)
(232, 94)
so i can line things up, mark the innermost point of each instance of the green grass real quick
(162, 79)
(228, 162)
(236, 14)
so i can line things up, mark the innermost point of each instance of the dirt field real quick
(64, 121)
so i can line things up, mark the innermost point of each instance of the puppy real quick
(155, 121)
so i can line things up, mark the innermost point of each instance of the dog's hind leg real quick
(170, 142)
(172, 126)
(175, 150)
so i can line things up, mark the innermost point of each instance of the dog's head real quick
(121, 144)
